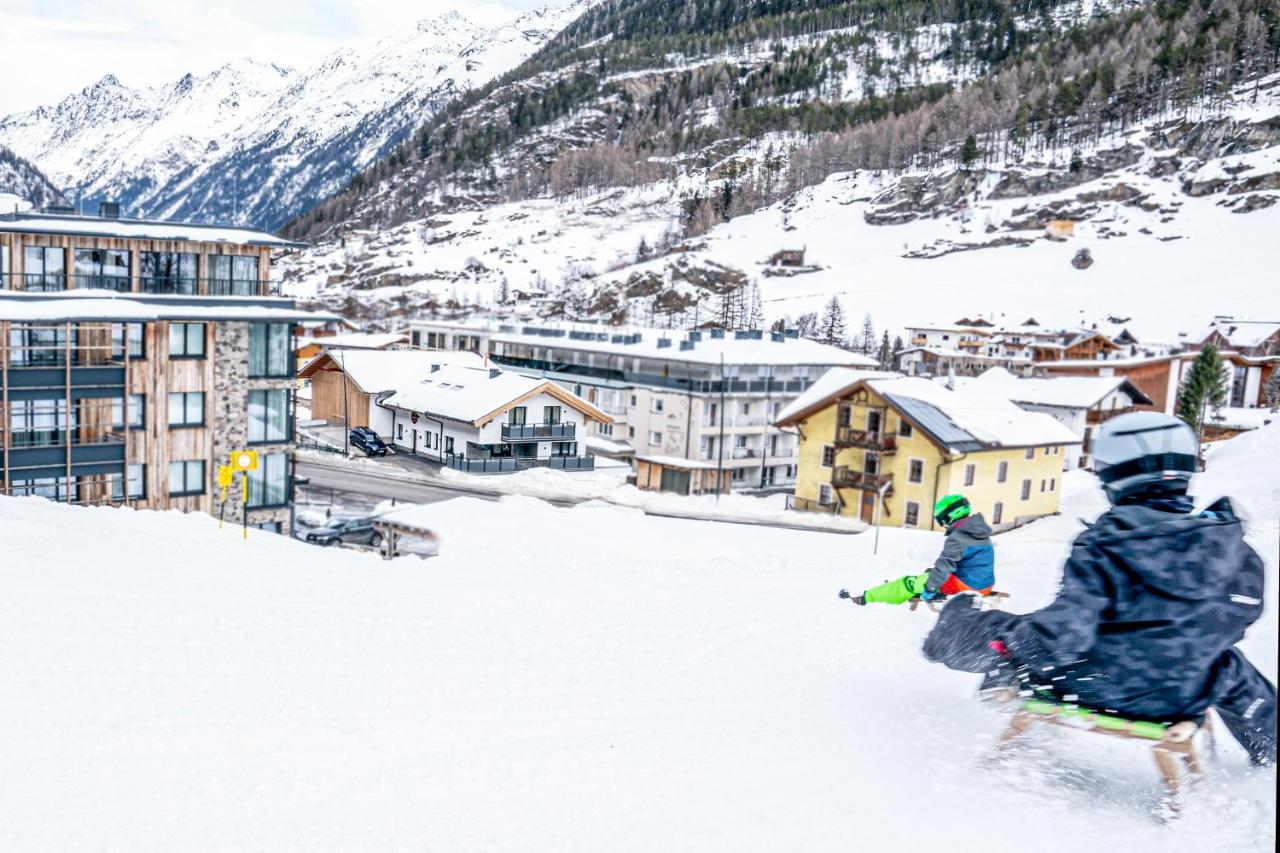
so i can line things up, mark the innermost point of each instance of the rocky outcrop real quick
(1082, 259)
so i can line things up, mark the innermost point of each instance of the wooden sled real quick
(992, 601)
(1172, 743)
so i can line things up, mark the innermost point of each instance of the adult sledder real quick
(967, 562)
(1153, 600)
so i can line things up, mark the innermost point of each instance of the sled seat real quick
(1172, 742)
(991, 601)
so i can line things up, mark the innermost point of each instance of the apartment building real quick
(135, 356)
(885, 449)
(707, 396)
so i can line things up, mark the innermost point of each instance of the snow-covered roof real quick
(964, 420)
(678, 462)
(758, 348)
(140, 229)
(1240, 333)
(475, 394)
(376, 370)
(357, 340)
(1071, 392)
(83, 306)
(987, 420)
(827, 385)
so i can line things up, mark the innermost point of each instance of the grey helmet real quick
(1144, 452)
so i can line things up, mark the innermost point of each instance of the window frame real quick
(997, 513)
(257, 485)
(126, 422)
(1026, 490)
(186, 424)
(822, 459)
(907, 511)
(186, 471)
(911, 461)
(653, 433)
(1002, 471)
(286, 361)
(185, 353)
(970, 474)
(263, 394)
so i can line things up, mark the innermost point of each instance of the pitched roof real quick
(1071, 392)
(375, 370)
(960, 421)
(1241, 333)
(357, 340)
(827, 387)
(140, 229)
(477, 395)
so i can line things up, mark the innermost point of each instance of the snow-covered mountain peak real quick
(446, 24)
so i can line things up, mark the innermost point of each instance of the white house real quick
(490, 421)
(1080, 403)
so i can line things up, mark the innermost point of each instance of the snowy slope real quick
(1167, 223)
(165, 685)
(23, 184)
(259, 143)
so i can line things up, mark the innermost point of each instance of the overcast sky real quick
(51, 48)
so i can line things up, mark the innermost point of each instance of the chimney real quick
(494, 372)
(434, 368)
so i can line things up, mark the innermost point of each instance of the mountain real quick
(256, 143)
(911, 144)
(23, 180)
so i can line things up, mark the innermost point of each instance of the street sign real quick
(225, 475)
(244, 460)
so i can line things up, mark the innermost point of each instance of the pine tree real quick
(970, 152)
(755, 312)
(831, 326)
(885, 356)
(867, 339)
(1203, 388)
(1271, 391)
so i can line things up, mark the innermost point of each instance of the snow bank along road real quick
(584, 678)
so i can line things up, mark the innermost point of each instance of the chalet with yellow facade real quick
(872, 442)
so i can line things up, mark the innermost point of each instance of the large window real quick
(134, 333)
(4, 268)
(186, 478)
(551, 414)
(136, 409)
(134, 481)
(44, 268)
(186, 409)
(268, 416)
(53, 488)
(167, 272)
(516, 417)
(269, 350)
(102, 268)
(269, 485)
(232, 275)
(38, 346)
(186, 340)
(39, 423)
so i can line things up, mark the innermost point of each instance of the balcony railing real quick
(526, 432)
(843, 477)
(511, 464)
(1097, 417)
(807, 505)
(850, 437)
(729, 421)
(53, 282)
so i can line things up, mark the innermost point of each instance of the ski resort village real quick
(655, 425)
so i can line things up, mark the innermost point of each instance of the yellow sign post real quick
(243, 461)
(225, 475)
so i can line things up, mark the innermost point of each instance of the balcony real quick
(54, 282)
(1100, 416)
(878, 441)
(168, 284)
(536, 432)
(732, 421)
(806, 505)
(91, 281)
(41, 282)
(842, 477)
(919, 341)
(511, 464)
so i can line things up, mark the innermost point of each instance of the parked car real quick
(368, 441)
(355, 530)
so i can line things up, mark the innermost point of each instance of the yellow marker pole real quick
(244, 504)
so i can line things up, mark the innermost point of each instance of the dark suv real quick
(355, 530)
(368, 441)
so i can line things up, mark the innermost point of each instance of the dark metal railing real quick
(42, 282)
(511, 464)
(92, 281)
(168, 284)
(53, 282)
(519, 432)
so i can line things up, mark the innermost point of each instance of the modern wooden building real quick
(135, 356)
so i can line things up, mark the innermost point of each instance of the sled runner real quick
(1172, 743)
(991, 601)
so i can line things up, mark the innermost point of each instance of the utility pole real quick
(764, 439)
(346, 411)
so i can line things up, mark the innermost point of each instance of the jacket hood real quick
(1186, 556)
(973, 526)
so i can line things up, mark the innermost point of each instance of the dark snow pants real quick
(1242, 696)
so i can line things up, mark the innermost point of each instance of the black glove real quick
(859, 600)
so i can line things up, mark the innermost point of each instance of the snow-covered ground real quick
(558, 679)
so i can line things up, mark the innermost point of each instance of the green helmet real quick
(950, 509)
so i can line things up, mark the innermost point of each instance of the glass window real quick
(270, 350)
(4, 268)
(268, 416)
(824, 494)
(915, 471)
(135, 336)
(45, 268)
(997, 513)
(134, 480)
(45, 346)
(1026, 490)
(186, 409)
(656, 404)
(969, 472)
(269, 485)
(102, 268)
(912, 518)
(655, 438)
(186, 478)
(551, 414)
(564, 448)
(167, 272)
(218, 273)
(186, 340)
(516, 416)
(53, 488)
(1002, 472)
(828, 455)
(39, 423)
(1031, 453)
(135, 411)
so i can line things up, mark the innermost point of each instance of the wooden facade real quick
(335, 397)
